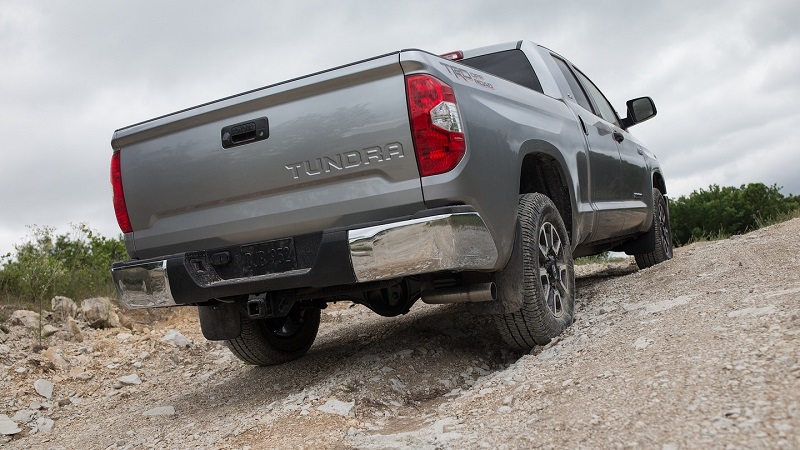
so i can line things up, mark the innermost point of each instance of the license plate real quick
(268, 257)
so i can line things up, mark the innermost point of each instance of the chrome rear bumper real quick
(144, 285)
(452, 242)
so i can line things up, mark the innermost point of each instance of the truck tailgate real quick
(336, 150)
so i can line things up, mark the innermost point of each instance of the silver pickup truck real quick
(474, 177)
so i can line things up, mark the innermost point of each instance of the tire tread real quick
(530, 326)
(254, 344)
(658, 255)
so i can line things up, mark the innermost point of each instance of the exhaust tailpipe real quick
(484, 292)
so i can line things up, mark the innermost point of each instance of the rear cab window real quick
(512, 65)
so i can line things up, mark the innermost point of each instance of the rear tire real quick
(546, 276)
(663, 234)
(267, 342)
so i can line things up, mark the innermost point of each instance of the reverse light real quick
(120, 208)
(435, 124)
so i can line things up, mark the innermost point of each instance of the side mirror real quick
(639, 110)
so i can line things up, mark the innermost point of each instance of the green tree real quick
(725, 211)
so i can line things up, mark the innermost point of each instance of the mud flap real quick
(646, 243)
(220, 322)
(509, 285)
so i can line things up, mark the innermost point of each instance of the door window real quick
(574, 85)
(605, 108)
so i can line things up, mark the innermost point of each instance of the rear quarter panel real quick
(503, 122)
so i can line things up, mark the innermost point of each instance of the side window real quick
(576, 88)
(512, 65)
(606, 111)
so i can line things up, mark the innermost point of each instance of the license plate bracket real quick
(268, 257)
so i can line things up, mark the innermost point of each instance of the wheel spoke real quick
(666, 238)
(547, 290)
(557, 303)
(561, 277)
(552, 268)
(556, 241)
(543, 245)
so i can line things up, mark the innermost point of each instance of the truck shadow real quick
(376, 362)
(590, 279)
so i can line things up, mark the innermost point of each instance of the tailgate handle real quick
(245, 132)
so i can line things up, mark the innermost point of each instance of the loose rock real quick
(174, 337)
(99, 312)
(63, 308)
(337, 407)
(44, 424)
(130, 380)
(82, 376)
(43, 388)
(24, 416)
(160, 411)
(7, 426)
(122, 337)
(73, 330)
(49, 330)
(54, 355)
(27, 319)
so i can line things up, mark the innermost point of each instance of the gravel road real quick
(698, 352)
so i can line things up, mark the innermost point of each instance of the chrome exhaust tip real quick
(483, 292)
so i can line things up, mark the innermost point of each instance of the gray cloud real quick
(723, 74)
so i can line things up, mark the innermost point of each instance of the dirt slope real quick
(699, 352)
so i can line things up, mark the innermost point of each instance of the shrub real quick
(76, 264)
(725, 211)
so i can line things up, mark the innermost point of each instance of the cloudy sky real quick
(725, 76)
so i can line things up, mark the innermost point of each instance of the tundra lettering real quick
(348, 160)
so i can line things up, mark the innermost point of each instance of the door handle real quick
(245, 132)
(618, 136)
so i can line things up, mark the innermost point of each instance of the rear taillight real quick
(119, 197)
(435, 124)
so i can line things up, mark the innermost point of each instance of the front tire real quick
(267, 342)
(545, 275)
(663, 234)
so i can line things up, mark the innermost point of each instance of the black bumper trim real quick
(327, 265)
